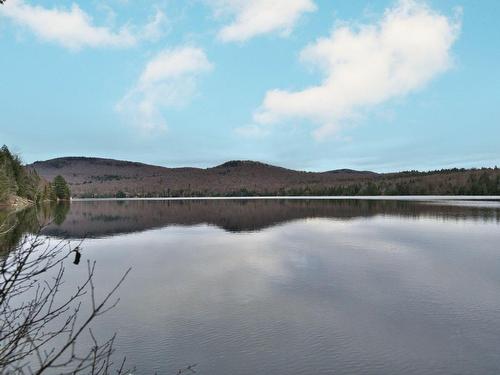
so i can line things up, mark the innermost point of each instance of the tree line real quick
(483, 182)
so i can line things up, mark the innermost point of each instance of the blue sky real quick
(306, 84)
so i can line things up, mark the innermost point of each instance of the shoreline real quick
(16, 204)
(367, 197)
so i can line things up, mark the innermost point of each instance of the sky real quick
(315, 85)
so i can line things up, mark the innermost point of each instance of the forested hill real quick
(20, 186)
(95, 177)
(16, 181)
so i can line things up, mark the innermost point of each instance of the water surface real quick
(297, 286)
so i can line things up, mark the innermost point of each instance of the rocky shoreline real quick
(16, 203)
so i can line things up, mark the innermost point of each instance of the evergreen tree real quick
(121, 194)
(4, 185)
(61, 188)
(8, 182)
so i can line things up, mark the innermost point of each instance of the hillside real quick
(106, 177)
(96, 177)
(19, 186)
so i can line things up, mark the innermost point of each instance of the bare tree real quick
(39, 330)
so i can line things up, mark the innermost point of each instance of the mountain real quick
(107, 177)
(97, 177)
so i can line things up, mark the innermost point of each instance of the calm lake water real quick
(296, 286)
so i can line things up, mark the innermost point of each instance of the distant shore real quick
(340, 197)
(108, 178)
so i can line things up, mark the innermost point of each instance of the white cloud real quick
(168, 80)
(367, 65)
(257, 17)
(155, 28)
(73, 28)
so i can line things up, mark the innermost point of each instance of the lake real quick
(302, 286)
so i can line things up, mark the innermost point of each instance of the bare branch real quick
(31, 276)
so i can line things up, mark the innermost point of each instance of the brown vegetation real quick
(94, 177)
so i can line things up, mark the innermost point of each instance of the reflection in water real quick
(59, 212)
(107, 218)
(297, 287)
(15, 225)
